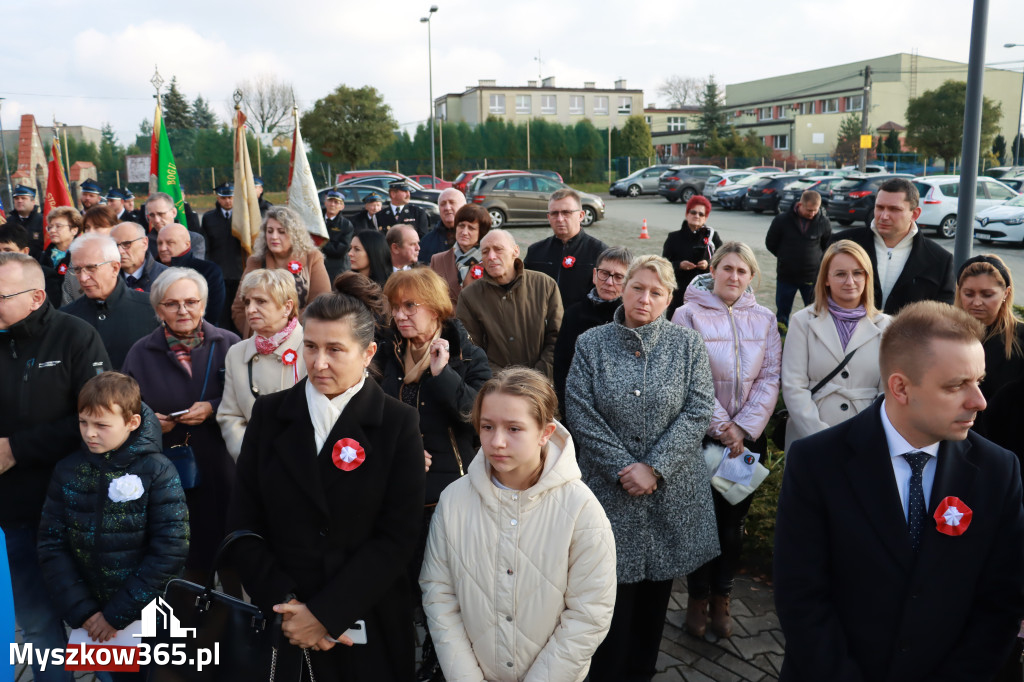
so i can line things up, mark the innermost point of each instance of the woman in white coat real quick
(843, 320)
(519, 573)
(268, 361)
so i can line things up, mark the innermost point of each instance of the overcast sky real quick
(90, 64)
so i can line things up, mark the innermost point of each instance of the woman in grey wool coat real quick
(639, 398)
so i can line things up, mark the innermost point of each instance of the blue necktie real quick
(916, 508)
(131, 281)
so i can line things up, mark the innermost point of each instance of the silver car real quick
(723, 179)
(643, 181)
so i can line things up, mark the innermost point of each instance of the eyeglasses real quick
(190, 304)
(699, 214)
(124, 246)
(53, 227)
(616, 277)
(563, 214)
(5, 297)
(409, 308)
(79, 270)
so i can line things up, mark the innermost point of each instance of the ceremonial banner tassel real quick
(57, 193)
(164, 168)
(245, 216)
(302, 196)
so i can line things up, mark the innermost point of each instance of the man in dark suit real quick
(138, 267)
(400, 211)
(370, 217)
(223, 248)
(908, 266)
(899, 542)
(175, 252)
(339, 232)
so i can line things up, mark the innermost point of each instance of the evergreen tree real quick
(636, 138)
(111, 154)
(177, 112)
(202, 115)
(712, 118)
(935, 121)
(892, 143)
(848, 142)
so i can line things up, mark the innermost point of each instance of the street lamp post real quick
(1018, 139)
(430, 72)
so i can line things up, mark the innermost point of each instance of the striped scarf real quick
(182, 346)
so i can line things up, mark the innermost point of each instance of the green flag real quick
(167, 171)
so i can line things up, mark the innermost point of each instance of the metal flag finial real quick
(237, 96)
(156, 80)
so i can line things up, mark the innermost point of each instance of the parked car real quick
(734, 196)
(764, 195)
(821, 172)
(1005, 172)
(793, 191)
(463, 179)
(381, 182)
(554, 175)
(431, 182)
(523, 198)
(682, 182)
(853, 198)
(1016, 184)
(1003, 223)
(765, 169)
(940, 199)
(643, 181)
(342, 177)
(719, 181)
(868, 168)
(355, 194)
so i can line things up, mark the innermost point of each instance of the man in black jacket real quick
(138, 267)
(339, 233)
(908, 266)
(26, 214)
(223, 248)
(46, 357)
(370, 217)
(175, 251)
(569, 255)
(442, 237)
(400, 211)
(121, 315)
(798, 238)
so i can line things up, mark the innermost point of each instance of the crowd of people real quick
(520, 454)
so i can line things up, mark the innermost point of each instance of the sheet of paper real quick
(122, 638)
(738, 469)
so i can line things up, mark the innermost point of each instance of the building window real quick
(625, 106)
(782, 142)
(647, 120)
(854, 103)
(576, 104)
(806, 108)
(676, 124)
(442, 111)
(831, 106)
(764, 114)
(601, 105)
(497, 104)
(548, 104)
(523, 104)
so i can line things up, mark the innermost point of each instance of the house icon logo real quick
(158, 611)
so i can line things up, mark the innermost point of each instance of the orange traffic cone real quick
(643, 231)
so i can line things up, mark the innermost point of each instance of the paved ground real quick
(752, 654)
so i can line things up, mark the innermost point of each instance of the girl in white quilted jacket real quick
(519, 573)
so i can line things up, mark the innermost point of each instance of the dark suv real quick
(854, 198)
(764, 194)
(682, 182)
(794, 190)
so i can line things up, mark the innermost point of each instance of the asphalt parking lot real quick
(624, 217)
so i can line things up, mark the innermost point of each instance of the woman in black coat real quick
(429, 362)
(331, 476)
(689, 248)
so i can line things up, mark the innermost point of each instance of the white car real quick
(1003, 223)
(723, 179)
(940, 198)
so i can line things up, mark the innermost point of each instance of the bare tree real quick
(268, 103)
(682, 90)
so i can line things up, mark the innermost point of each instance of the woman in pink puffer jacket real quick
(745, 350)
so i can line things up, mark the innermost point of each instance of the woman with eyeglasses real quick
(690, 248)
(180, 370)
(62, 224)
(429, 362)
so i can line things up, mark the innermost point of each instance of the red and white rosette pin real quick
(290, 359)
(568, 261)
(294, 267)
(476, 272)
(348, 454)
(952, 516)
(62, 269)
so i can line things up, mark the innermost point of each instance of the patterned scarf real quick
(182, 346)
(464, 261)
(266, 346)
(846, 319)
(56, 255)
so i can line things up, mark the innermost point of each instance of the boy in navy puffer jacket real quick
(114, 528)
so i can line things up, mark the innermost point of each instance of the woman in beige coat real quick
(519, 573)
(268, 361)
(842, 320)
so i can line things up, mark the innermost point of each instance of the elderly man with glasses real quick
(47, 357)
(138, 267)
(569, 255)
(160, 212)
(120, 314)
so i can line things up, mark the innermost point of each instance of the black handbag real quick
(245, 640)
(182, 456)
(782, 416)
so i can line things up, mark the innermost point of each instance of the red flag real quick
(57, 193)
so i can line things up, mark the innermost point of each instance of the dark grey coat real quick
(645, 395)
